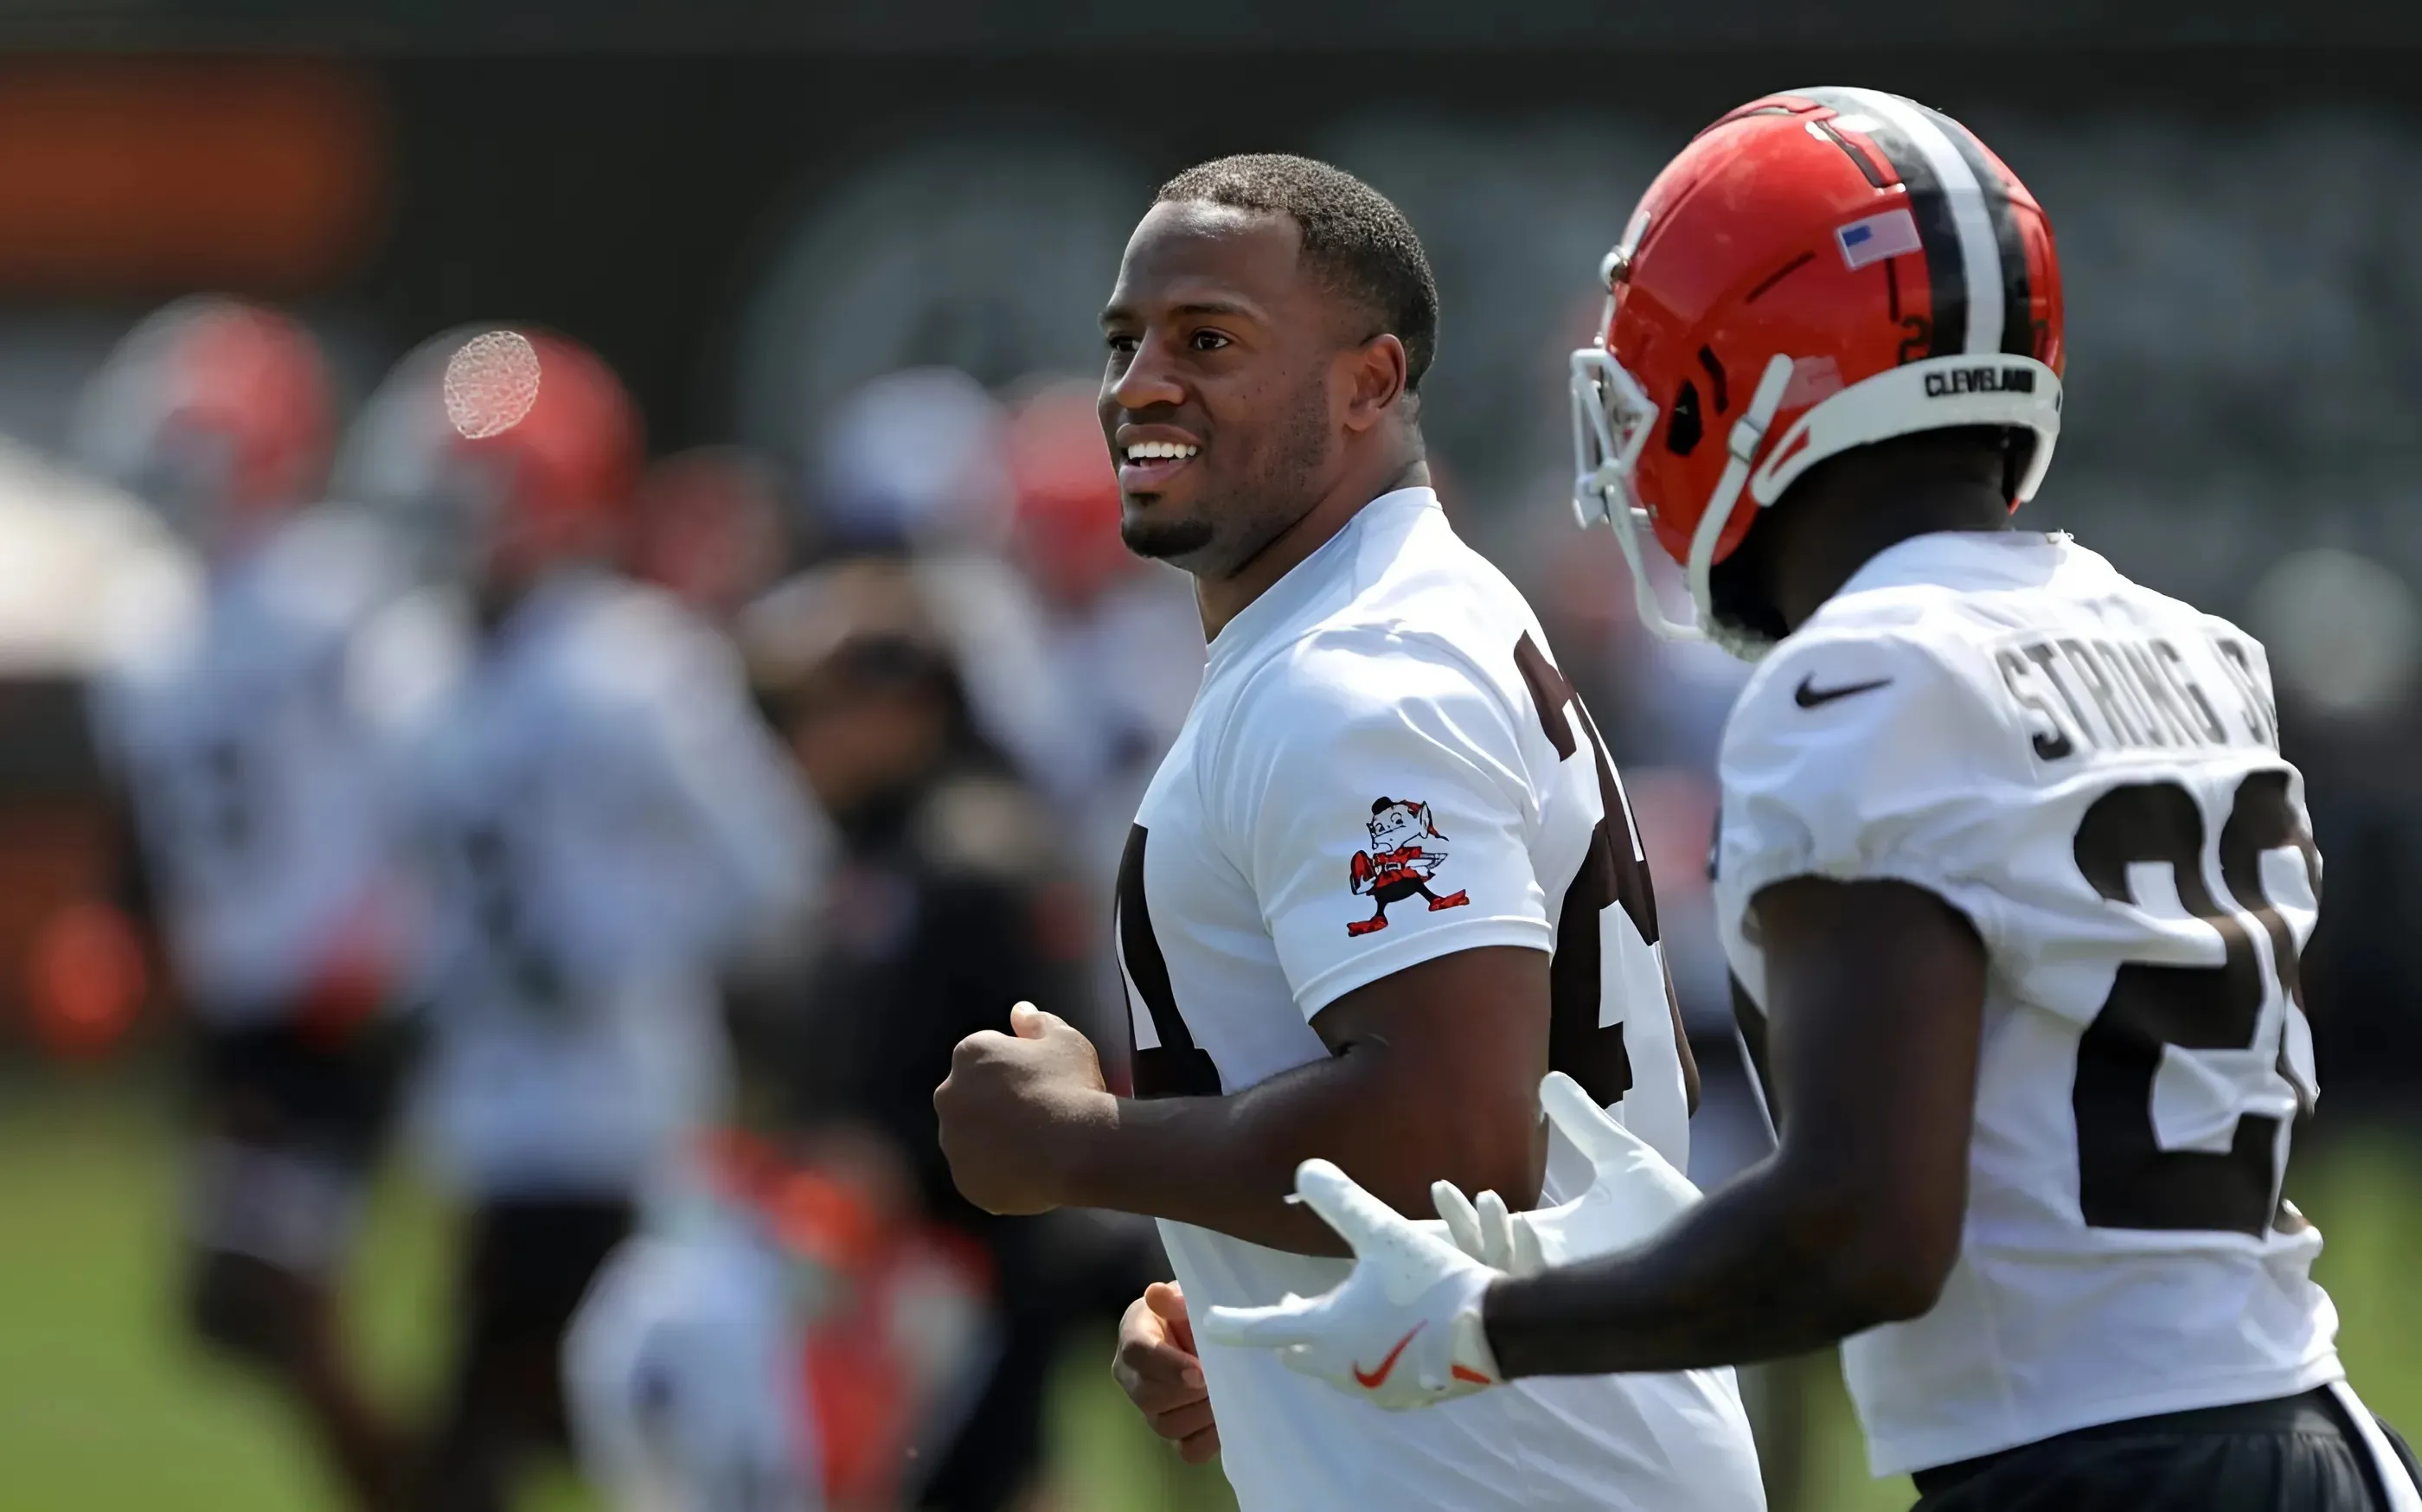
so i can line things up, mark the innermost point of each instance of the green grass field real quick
(104, 1408)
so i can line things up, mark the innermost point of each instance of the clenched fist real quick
(1014, 1107)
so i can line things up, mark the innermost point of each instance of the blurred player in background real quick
(953, 883)
(1121, 635)
(609, 826)
(684, 1367)
(247, 737)
(919, 467)
(2008, 859)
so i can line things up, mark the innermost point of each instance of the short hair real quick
(1353, 236)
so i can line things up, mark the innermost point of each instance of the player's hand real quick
(1636, 1192)
(1011, 1105)
(1402, 1330)
(1158, 1366)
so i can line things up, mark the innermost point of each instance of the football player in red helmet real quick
(251, 768)
(545, 453)
(608, 825)
(2008, 859)
(1894, 285)
(216, 412)
(503, 456)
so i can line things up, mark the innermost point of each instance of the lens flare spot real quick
(491, 383)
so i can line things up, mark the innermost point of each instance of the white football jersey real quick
(2090, 772)
(1384, 766)
(609, 822)
(248, 731)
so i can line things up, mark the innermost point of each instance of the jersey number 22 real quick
(2124, 1178)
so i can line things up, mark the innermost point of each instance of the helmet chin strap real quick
(1748, 434)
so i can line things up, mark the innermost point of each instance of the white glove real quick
(1634, 1194)
(1402, 1332)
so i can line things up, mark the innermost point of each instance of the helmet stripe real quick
(1963, 192)
(1955, 223)
(1938, 232)
(2017, 314)
(1858, 159)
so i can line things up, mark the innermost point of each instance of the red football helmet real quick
(1819, 270)
(215, 411)
(523, 442)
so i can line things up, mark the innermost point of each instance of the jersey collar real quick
(1955, 557)
(1306, 579)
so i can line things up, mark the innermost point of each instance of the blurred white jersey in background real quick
(248, 730)
(610, 826)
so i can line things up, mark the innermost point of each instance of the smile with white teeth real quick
(1159, 451)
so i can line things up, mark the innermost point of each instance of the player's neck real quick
(1221, 599)
(1836, 535)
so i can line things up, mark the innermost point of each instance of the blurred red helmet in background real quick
(549, 431)
(707, 524)
(217, 412)
(1065, 533)
(503, 449)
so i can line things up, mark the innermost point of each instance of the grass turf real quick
(105, 1408)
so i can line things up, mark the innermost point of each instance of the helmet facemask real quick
(1613, 419)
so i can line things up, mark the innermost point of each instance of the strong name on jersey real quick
(611, 821)
(2089, 771)
(1383, 767)
(250, 735)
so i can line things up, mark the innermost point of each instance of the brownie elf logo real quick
(1407, 850)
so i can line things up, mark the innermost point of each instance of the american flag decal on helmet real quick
(1878, 237)
(1975, 264)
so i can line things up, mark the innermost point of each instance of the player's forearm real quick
(1757, 1272)
(1228, 1164)
(1210, 1162)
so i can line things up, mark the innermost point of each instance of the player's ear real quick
(1377, 371)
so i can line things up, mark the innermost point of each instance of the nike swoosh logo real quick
(1809, 696)
(1371, 1380)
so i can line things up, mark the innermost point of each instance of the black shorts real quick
(289, 1129)
(275, 1085)
(524, 1275)
(526, 1264)
(2298, 1453)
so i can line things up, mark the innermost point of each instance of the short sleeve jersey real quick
(2089, 772)
(1382, 767)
